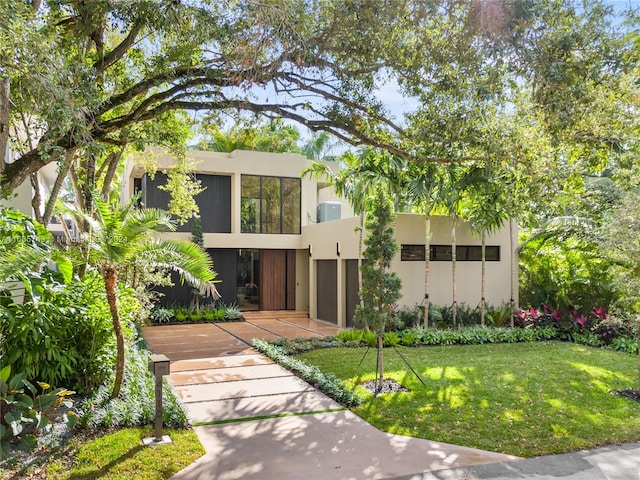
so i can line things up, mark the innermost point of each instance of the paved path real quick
(257, 421)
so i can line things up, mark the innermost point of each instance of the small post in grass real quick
(159, 365)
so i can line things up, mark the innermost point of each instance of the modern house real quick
(281, 242)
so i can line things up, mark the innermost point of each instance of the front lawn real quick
(525, 399)
(121, 455)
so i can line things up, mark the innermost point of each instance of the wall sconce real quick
(310, 250)
(338, 249)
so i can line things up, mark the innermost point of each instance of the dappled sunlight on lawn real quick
(522, 399)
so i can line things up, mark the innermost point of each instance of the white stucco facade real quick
(324, 251)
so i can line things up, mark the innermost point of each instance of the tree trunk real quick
(110, 277)
(483, 280)
(57, 186)
(427, 267)
(454, 293)
(380, 363)
(4, 120)
(361, 233)
(36, 201)
(514, 265)
(113, 162)
(89, 182)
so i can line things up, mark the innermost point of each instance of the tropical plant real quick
(380, 288)
(161, 315)
(486, 212)
(63, 335)
(26, 409)
(232, 312)
(136, 404)
(120, 235)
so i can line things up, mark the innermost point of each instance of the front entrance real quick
(277, 279)
(266, 279)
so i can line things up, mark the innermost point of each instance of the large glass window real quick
(270, 204)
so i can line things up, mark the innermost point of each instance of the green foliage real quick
(272, 136)
(409, 338)
(350, 335)
(183, 187)
(328, 384)
(565, 272)
(369, 338)
(499, 316)
(26, 410)
(66, 337)
(232, 312)
(625, 343)
(161, 315)
(136, 403)
(390, 339)
(295, 346)
(380, 288)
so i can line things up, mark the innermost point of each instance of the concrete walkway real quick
(256, 420)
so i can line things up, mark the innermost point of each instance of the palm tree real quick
(318, 147)
(458, 180)
(423, 188)
(487, 213)
(358, 180)
(118, 236)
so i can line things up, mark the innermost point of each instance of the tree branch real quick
(57, 186)
(118, 52)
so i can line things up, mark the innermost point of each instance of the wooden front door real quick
(277, 279)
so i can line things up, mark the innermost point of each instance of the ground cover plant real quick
(120, 454)
(524, 399)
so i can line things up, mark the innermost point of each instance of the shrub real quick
(161, 315)
(408, 317)
(136, 404)
(390, 339)
(409, 337)
(369, 338)
(499, 316)
(232, 312)
(625, 343)
(24, 411)
(329, 384)
(66, 336)
(350, 335)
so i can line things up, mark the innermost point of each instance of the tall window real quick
(270, 204)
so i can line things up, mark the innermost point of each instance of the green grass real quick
(522, 399)
(121, 455)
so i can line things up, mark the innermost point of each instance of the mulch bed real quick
(629, 393)
(388, 386)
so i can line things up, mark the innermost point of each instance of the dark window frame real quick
(297, 222)
(442, 253)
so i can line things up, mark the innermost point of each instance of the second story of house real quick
(251, 199)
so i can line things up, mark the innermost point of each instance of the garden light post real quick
(159, 365)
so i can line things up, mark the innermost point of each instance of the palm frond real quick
(192, 263)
